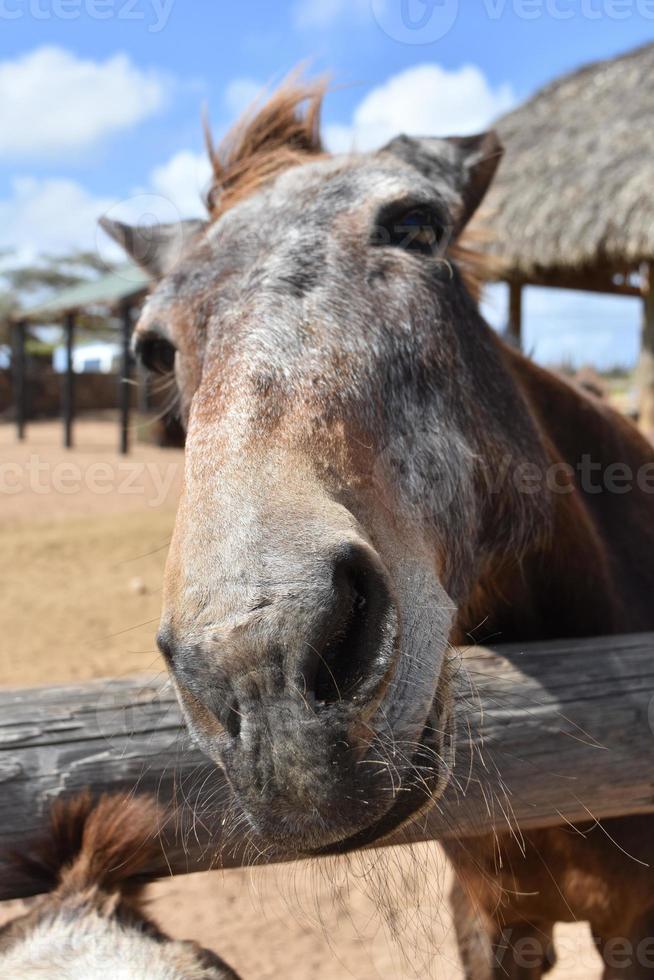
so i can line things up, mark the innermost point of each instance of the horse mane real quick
(283, 132)
(470, 253)
(103, 842)
(268, 139)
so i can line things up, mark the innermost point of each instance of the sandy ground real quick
(84, 538)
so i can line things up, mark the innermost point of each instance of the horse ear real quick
(156, 248)
(461, 166)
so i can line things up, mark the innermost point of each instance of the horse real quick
(340, 529)
(91, 922)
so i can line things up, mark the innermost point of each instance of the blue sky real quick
(100, 104)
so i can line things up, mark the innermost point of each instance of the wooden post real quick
(20, 380)
(550, 733)
(645, 371)
(514, 329)
(125, 377)
(69, 382)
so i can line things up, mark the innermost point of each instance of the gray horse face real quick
(329, 359)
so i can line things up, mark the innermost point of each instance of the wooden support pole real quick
(645, 372)
(548, 733)
(125, 377)
(19, 377)
(514, 330)
(69, 382)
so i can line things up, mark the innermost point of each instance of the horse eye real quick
(155, 353)
(417, 230)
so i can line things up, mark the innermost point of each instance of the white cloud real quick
(183, 181)
(425, 100)
(58, 215)
(52, 215)
(319, 14)
(53, 103)
(339, 138)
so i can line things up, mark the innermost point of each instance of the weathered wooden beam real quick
(550, 732)
(591, 281)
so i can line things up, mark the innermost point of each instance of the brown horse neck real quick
(592, 574)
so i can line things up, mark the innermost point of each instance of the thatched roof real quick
(576, 186)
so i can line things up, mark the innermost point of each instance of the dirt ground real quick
(84, 538)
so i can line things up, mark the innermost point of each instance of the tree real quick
(24, 285)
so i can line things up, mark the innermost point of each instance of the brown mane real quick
(268, 139)
(477, 266)
(102, 842)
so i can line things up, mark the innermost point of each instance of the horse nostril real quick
(352, 653)
(166, 645)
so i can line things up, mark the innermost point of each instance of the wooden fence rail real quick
(548, 732)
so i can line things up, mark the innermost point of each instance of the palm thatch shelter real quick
(573, 202)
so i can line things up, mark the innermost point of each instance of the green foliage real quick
(23, 285)
(51, 273)
(617, 372)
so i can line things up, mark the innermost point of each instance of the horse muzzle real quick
(282, 694)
